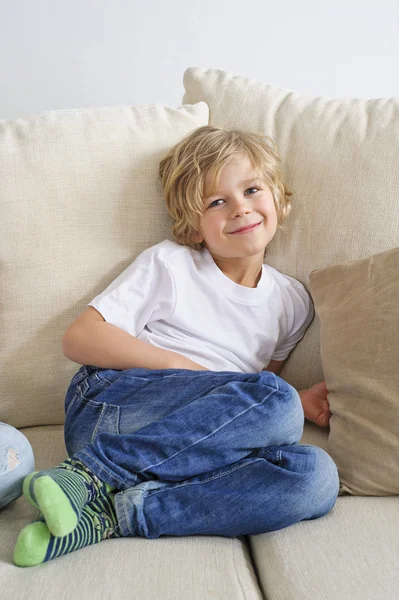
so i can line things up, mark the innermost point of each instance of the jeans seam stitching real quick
(206, 436)
(214, 477)
(103, 380)
(127, 520)
(94, 434)
(78, 395)
(72, 402)
(118, 418)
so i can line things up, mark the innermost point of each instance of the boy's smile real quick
(245, 229)
(238, 222)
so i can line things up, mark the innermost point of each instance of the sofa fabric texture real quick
(79, 199)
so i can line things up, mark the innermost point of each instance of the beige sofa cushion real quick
(349, 554)
(358, 307)
(79, 199)
(340, 158)
(169, 568)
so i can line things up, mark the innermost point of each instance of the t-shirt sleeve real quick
(298, 314)
(143, 293)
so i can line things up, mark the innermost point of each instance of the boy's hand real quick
(315, 404)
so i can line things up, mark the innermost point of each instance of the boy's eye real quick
(220, 200)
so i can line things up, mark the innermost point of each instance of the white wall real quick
(58, 54)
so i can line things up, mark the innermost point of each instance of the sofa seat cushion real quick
(170, 568)
(349, 554)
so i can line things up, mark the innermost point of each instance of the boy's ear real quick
(197, 238)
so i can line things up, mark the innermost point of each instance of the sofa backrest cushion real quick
(340, 158)
(80, 198)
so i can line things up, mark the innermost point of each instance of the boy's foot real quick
(62, 492)
(36, 544)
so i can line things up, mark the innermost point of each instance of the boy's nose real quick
(240, 209)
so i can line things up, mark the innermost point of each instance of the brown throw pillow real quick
(358, 307)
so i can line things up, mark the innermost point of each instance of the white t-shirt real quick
(178, 299)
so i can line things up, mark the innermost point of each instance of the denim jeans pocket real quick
(85, 419)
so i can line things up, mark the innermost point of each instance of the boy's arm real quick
(90, 340)
(275, 366)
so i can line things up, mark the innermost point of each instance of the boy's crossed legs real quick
(200, 467)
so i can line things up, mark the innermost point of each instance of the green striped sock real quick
(62, 492)
(36, 544)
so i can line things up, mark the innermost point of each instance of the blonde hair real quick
(207, 150)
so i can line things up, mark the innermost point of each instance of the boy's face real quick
(241, 200)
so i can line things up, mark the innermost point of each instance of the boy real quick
(183, 413)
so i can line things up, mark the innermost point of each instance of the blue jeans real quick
(198, 452)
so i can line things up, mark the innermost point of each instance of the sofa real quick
(80, 199)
